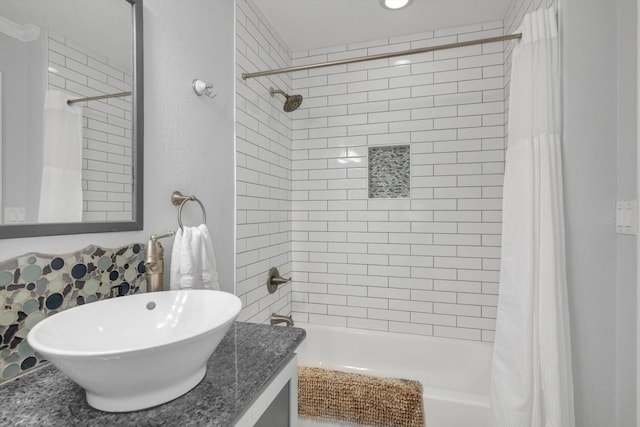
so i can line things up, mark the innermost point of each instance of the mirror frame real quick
(52, 229)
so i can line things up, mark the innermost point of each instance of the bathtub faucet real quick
(279, 318)
(274, 280)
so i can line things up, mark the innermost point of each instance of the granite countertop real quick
(242, 365)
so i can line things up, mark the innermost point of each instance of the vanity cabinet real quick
(277, 405)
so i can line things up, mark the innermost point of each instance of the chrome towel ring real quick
(178, 199)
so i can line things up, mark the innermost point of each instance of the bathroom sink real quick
(137, 351)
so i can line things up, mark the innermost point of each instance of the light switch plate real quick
(15, 215)
(627, 217)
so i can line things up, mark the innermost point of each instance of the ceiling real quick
(302, 24)
(104, 26)
(312, 24)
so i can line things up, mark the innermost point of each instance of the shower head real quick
(291, 102)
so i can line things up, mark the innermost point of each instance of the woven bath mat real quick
(357, 398)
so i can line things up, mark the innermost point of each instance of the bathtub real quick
(454, 373)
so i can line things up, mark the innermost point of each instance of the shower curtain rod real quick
(94, 98)
(383, 56)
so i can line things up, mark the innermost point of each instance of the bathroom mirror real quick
(78, 167)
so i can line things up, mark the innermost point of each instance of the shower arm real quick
(281, 92)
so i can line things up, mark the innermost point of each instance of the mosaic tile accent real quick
(390, 172)
(34, 286)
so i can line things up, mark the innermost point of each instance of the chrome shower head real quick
(291, 103)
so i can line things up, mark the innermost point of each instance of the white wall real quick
(189, 142)
(589, 138)
(626, 245)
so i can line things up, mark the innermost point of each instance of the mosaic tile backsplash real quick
(389, 172)
(34, 286)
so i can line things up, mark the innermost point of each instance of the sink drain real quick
(151, 305)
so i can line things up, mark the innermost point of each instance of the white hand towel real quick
(193, 263)
(209, 265)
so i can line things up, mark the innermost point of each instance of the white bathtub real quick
(454, 373)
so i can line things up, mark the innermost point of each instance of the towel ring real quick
(178, 199)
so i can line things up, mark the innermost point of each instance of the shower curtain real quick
(531, 379)
(61, 184)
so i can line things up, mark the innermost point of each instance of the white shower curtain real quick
(531, 379)
(61, 184)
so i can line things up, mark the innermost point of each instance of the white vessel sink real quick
(137, 351)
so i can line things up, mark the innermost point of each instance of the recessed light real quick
(394, 4)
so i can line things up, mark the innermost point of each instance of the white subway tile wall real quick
(263, 168)
(425, 265)
(107, 158)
